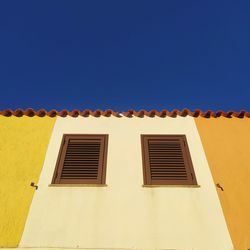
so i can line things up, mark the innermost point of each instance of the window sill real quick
(175, 186)
(78, 185)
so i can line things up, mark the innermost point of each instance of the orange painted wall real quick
(226, 142)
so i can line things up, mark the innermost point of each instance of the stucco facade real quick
(123, 214)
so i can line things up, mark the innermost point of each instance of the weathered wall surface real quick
(126, 215)
(227, 146)
(23, 144)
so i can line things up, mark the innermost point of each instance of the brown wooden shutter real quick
(82, 160)
(166, 160)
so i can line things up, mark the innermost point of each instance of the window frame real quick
(147, 180)
(57, 180)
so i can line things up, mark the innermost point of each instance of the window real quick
(82, 160)
(166, 160)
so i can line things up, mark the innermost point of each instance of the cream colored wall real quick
(124, 214)
(227, 146)
(23, 144)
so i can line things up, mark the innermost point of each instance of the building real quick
(131, 180)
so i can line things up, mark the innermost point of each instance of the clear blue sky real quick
(125, 54)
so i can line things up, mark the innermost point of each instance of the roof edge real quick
(130, 113)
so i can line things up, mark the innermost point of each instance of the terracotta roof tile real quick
(130, 113)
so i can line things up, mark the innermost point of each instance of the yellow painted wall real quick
(227, 146)
(23, 144)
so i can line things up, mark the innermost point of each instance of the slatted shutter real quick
(166, 160)
(82, 160)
